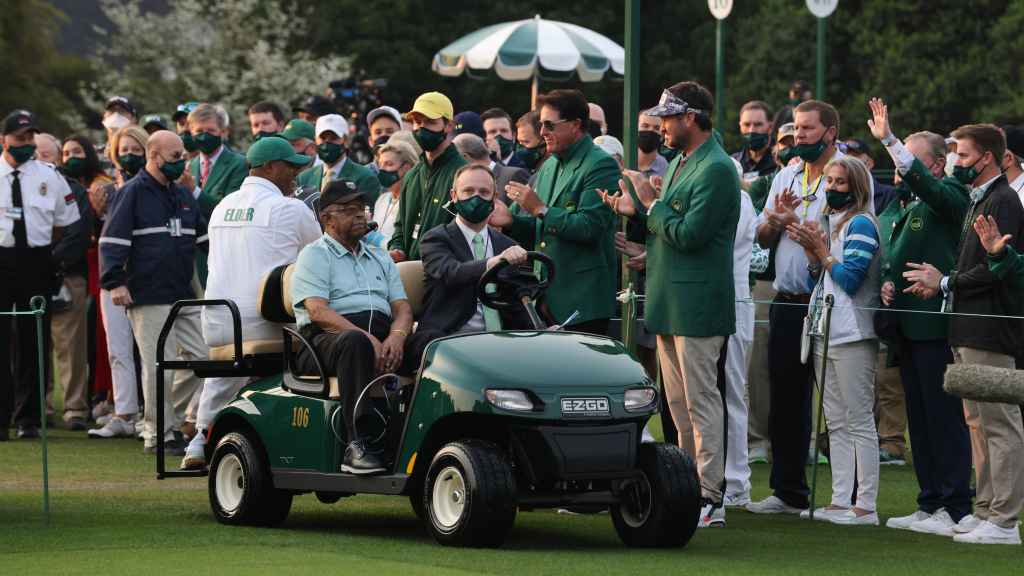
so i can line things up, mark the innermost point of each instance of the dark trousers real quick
(349, 357)
(790, 413)
(938, 433)
(26, 273)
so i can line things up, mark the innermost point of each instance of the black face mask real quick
(648, 141)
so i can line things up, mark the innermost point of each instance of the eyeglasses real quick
(549, 125)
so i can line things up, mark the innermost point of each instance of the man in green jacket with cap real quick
(331, 140)
(562, 214)
(923, 224)
(301, 135)
(426, 188)
(690, 290)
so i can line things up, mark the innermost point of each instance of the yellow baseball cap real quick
(433, 105)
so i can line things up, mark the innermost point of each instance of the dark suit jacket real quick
(505, 174)
(452, 275)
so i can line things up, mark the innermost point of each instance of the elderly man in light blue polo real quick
(351, 305)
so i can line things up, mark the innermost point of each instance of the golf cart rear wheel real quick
(659, 507)
(240, 486)
(469, 495)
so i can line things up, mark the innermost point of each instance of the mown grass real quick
(111, 516)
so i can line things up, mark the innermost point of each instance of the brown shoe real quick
(188, 430)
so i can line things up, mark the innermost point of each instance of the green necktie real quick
(492, 320)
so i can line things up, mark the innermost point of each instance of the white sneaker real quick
(772, 505)
(114, 428)
(195, 454)
(139, 427)
(904, 522)
(737, 500)
(823, 514)
(102, 420)
(102, 409)
(712, 515)
(940, 523)
(757, 455)
(850, 518)
(967, 524)
(989, 533)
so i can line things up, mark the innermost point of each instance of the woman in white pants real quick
(844, 263)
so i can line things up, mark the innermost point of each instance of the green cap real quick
(270, 149)
(296, 129)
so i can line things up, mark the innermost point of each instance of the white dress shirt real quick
(252, 231)
(476, 323)
(46, 202)
(1018, 187)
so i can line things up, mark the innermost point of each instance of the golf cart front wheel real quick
(469, 495)
(241, 489)
(660, 506)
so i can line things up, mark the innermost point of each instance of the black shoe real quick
(27, 432)
(359, 460)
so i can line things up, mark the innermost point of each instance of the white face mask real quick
(115, 122)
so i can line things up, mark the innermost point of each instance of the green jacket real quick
(1008, 265)
(577, 231)
(690, 289)
(365, 178)
(225, 177)
(926, 229)
(759, 190)
(426, 190)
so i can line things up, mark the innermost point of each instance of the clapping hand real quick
(811, 238)
(988, 234)
(783, 212)
(525, 196)
(925, 280)
(879, 121)
(626, 247)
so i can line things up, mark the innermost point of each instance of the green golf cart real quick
(493, 423)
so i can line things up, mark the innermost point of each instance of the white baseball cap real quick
(332, 123)
(610, 144)
(384, 111)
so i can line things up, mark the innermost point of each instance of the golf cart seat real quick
(323, 384)
(273, 307)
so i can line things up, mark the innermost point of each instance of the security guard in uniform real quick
(35, 206)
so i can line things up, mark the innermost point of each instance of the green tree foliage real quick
(34, 75)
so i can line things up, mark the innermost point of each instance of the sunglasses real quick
(549, 125)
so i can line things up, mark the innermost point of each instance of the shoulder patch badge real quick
(916, 224)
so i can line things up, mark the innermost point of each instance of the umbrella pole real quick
(534, 88)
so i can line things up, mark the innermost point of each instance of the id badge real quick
(174, 226)
(15, 212)
(416, 232)
(947, 303)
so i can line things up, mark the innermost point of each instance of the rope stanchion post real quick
(829, 301)
(38, 305)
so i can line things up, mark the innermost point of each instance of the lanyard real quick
(808, 198)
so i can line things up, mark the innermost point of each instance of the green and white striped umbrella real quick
(526, 49)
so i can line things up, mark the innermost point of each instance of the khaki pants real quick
(758, 383)
(890, 408)
(997, 445)
(689, 368)
(185, 341)
(69, 351)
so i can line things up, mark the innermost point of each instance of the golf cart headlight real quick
(509, 400)
(637, 399)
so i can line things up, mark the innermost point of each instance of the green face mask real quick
(428, 140)
(475, 210)
(530, 157)
(173, 170)
(131, 163)
(261, 135)
(966, 175)
(756, 140)
(188, 141)
(75, 167)
(785, 155)
(330, 152)
(506, 145)
(838, 200)
(387, 178)
(208, 143)
(668, 153)
(22, 154)
(810, 152)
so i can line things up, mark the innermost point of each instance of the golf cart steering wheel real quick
(515, 282)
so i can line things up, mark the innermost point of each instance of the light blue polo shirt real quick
(350, 284)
